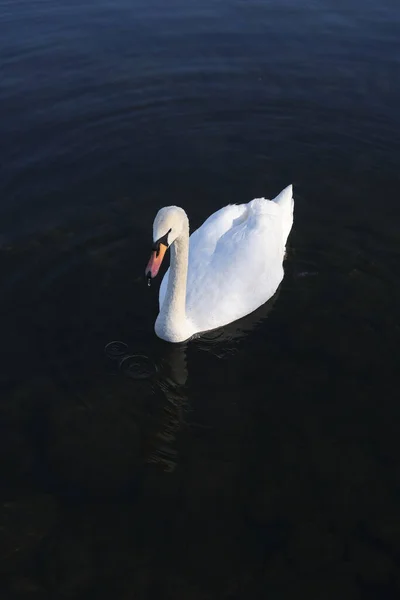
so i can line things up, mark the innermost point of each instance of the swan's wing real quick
(246, 267)
(206, 237)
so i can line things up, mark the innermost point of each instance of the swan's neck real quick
(171, 322)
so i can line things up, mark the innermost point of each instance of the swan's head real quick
(167, 227)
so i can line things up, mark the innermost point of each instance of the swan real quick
(225, 270)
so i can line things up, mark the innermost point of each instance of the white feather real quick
(235, 265)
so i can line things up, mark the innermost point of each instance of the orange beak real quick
(155, 261)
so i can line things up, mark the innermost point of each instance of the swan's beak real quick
(155, 261)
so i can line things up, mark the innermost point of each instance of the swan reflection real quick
(168, 375)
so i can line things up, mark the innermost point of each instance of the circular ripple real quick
(137, 366)
(115, 350)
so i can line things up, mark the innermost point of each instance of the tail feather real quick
(286, 202)
(285, 197)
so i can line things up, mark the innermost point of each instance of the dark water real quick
(258, 462)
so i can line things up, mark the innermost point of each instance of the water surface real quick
(261, 460)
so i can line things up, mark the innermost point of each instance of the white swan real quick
(229, 267)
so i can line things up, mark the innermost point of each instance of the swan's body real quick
(228, 267)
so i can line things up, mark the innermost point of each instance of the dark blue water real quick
(261, 461)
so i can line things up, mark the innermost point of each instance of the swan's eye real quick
(161, 240)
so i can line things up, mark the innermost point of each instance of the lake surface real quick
(260, 461)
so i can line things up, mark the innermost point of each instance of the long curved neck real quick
(173, 309)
